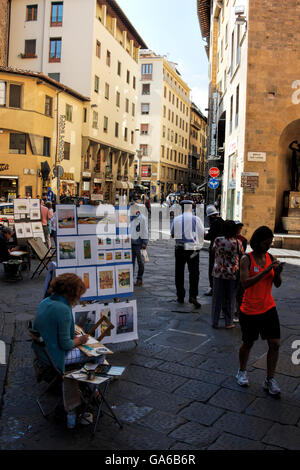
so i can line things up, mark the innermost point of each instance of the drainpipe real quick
(8, 31)
(43, 39)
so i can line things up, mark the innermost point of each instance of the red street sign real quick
(214, 172)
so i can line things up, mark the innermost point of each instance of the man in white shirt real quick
(188, 231)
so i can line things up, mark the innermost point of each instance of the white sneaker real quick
(272, 386)
(242, 378)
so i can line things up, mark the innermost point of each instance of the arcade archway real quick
(290, 134)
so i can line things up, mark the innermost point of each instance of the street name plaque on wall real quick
(256, 156)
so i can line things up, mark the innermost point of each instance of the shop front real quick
(97, 194)
(86, 184)
(68, 185)
(9, 187)
(121, 190)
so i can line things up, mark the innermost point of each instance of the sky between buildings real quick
(171, 27)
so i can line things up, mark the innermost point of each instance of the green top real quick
(54, 321)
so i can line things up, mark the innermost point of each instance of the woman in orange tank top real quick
(258, 314)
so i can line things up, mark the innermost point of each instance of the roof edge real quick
(45, 78)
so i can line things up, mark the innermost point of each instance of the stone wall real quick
(3, 31)
(273, 106)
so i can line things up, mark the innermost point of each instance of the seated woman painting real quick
(55, 323)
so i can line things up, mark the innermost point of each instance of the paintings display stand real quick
(29, 231)
(93, 242)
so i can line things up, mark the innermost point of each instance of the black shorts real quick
(264, 324)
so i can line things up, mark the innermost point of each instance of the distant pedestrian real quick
(45, 216)
(258, 314)
(188, 231)
(147, 204)
(240, 237)
(225, 273)
(53, 227)
(239, 288)
(216, 229)
(139, 241)
(162, 199)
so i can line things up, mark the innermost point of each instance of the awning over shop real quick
(9, 177)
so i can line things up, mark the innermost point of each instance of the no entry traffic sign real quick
(214, 172)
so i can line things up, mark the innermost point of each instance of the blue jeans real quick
(136, 254)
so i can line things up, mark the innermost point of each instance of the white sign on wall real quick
(256, 156)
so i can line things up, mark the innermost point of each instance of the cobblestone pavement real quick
(178, 391)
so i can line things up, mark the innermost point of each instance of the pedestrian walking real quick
(225, 273)
(147, 204)
(216, 229)
(239, 288)
(139, 241)
(188, 231)
(258, 314)
(45, 216)
(240, 237)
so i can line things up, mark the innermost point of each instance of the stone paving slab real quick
(243, 426)
(197, 390)
(195, 434)
(287, 437)
(192, 373)
(169, 402)
(193, 360)
(172, 355)
(231, 400)
(154, 378)
(182, 446)
(231, 442)
(161, 421)
(200, 413)
(284, 366)
(286, 383)
(129, 412)
(139, 360)
(254, 388)
(273, 409)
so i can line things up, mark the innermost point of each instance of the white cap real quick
(238, 222)
(211, 210)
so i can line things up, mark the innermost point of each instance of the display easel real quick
(44, 254)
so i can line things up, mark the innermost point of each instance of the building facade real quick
(197, 149)
(163, 125)
(31, 135)
(254, 108)
(4, 24)
(99, 61)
